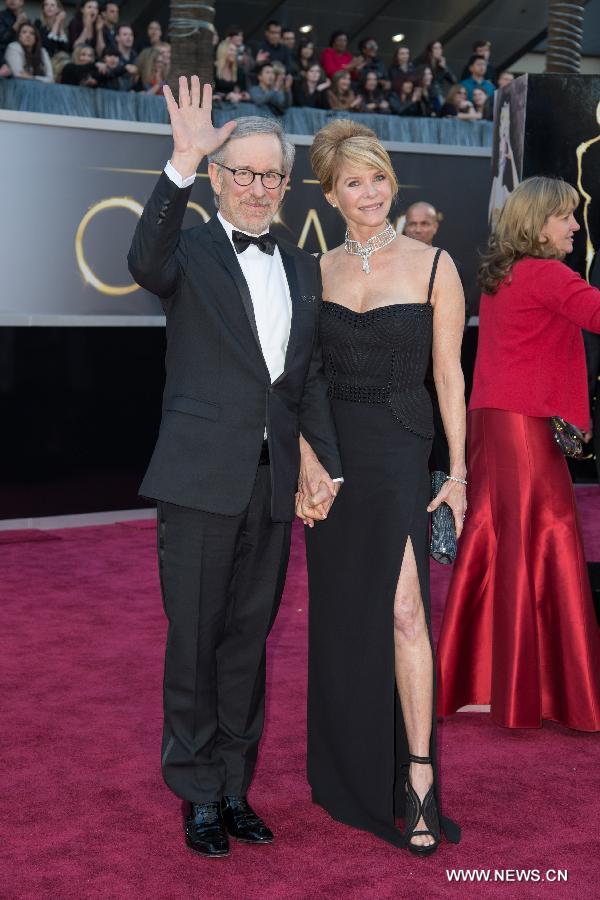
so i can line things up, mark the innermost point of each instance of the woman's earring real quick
(333, 204)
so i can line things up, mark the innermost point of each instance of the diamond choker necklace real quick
(377, 242)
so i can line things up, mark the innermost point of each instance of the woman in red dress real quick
(519, 631)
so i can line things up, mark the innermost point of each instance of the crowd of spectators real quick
(281, 71)
(96, 49)
(93, 49)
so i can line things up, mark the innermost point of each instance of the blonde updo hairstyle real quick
(346, 141)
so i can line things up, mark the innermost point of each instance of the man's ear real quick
(214, 173)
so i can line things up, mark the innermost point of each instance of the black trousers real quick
(222, 578)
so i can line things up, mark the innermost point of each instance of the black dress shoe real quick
(205, 831)
(242, 822)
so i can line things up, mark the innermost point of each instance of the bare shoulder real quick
(446, 265)
(447, 293)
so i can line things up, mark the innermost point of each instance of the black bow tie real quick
(264, 242)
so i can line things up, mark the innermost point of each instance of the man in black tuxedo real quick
(244, 378)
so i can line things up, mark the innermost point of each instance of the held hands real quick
(316, 490)
(455, 495)
(194, 135)
(314, 508)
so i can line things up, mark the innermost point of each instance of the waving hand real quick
(194, 135)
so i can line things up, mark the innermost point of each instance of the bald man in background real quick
(422, 223)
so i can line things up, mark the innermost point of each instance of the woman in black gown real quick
(371, 725)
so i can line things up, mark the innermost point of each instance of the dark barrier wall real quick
(63, 99)
(550, 125)
(81, 346)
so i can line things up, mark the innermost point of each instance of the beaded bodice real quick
(381, 357)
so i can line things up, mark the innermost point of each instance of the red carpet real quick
(26, 536)
(86, 813)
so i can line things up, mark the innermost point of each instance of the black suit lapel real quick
(230, 262)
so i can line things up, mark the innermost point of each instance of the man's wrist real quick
(174, 176)
(185, 164)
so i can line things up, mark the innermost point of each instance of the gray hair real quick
(247, 125)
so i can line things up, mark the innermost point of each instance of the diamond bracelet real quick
(454, 478)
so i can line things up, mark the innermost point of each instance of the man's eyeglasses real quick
(245, 177)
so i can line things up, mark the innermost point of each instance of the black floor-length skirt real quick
(357, 744)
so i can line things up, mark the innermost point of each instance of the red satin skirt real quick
(519, 630)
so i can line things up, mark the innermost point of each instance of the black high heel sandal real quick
(415, 809)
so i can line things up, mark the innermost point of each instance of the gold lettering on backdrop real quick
(312, 218)
(590, 250)
(136, 208)
(137, 171)
(89, 276)
(199, 209)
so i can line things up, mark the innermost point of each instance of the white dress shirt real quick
(269, 291)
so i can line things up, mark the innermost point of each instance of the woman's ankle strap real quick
(424, 760)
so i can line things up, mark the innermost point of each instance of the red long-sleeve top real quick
(530, 354)
(332, 61)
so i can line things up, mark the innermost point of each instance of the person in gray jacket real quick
(272, 91)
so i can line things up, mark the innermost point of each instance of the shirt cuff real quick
(340, 480)
(176, 178)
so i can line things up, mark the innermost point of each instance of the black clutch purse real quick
(443, 533)
(568, 437)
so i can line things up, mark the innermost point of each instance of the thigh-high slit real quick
(357, 743)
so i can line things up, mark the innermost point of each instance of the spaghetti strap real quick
(433, 271)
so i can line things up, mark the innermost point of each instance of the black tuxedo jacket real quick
(218, 395)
